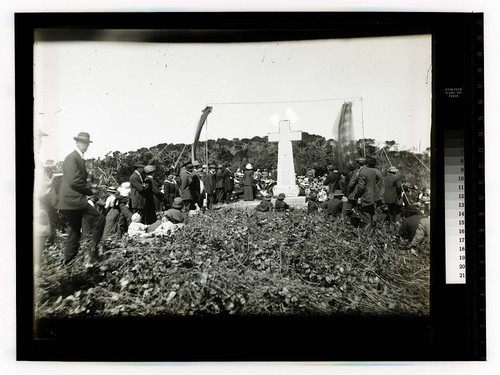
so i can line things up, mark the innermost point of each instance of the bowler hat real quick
(361, 160)
(281, 196)
(83, 137)
(371, 160)
(112, 189)
(338, 193)
(139, 164)
(392, 169)
(178, 203)
(313, 196)
(149, 168)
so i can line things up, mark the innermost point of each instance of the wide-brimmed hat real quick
(338, 193)
(220, 166)
(136, 217)
(281, 196)
(112, 189)
(149, 168)
(392, 169)
(196, 163)
(139, 164)
(178, 203)
(83, 137)
(248, 166)
(361, 160)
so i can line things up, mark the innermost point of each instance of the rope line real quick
(287, 101)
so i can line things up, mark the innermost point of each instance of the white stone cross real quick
(286, 169)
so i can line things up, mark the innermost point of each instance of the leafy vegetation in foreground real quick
(236, 262)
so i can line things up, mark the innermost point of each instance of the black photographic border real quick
(455, 328)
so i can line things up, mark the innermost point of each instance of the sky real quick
(129, 95)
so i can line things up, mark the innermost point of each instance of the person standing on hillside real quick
(170, 189)
(219, 184)
(151, 192)
(228, 183)
(196, 185)
(248, 183)
(185, 188)
(350, 208)
(367, 191)
(44, 199)
(137, 187)
(74, 206)
(392, 194)
(209, 183)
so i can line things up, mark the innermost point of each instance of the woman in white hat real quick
(248, 183)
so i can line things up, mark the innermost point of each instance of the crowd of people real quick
(142, 206)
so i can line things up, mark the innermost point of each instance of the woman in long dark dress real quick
(248, 183)
(151, 191)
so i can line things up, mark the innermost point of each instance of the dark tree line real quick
(313, 151)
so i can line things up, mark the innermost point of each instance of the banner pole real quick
(363, 127)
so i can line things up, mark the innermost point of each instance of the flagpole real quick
(390, 164)
(420, 161)
(363, 127)
(206, 143)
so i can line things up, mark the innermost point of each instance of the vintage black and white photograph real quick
(247, 178)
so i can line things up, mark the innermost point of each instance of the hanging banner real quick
(346, 143)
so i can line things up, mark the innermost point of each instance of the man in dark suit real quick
(392, 194)
(228, 183)
(368, 191)
(137, 190)
(209, 183)
(185, 188)
(73, 204)
(219, 184)
(196, 183)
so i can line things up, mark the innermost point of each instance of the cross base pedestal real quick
(289, 191)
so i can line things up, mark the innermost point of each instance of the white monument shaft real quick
(286, 168)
